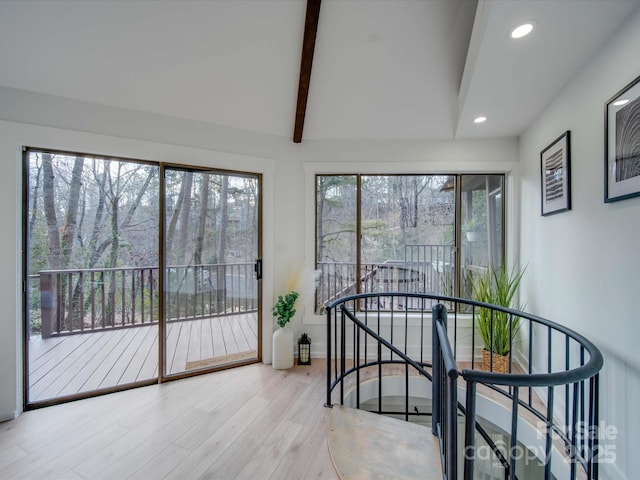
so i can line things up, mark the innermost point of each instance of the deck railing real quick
(425, 268)
(77, 301)
(551, 382)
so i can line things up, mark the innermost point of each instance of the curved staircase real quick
(552, 377)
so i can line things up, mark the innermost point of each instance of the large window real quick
(406, 233)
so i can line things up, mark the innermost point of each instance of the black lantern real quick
(304, 350)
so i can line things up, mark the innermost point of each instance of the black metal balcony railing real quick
(552, 378)
(77, 301)
(425, 268)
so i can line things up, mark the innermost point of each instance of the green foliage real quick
(470, 224)
(497, 287)
(35, 325)
(283, 309)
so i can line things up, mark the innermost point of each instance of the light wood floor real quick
(368, 446)
(72, 364)
(250, 422)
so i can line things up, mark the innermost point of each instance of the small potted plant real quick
(497, 287)
(471, 230)
(283, 311)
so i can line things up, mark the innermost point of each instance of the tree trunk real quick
(184, 219)
(96, 251)
(171, 228)
(136, 203)
(115, 233)
(404, 212)
(202, 220)
(72, 212)
(50, 212)
(115, 246)
(224, 219)
(221, 291)
(68, 233)
(34, 206)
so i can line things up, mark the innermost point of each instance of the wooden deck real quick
(68, 365)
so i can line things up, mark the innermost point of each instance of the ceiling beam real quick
(308, 46)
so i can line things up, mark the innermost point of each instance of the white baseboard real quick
(6, 416)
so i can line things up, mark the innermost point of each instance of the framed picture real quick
(555, 175)
(622, 144)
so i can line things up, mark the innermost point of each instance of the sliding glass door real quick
(120, 254)
(91, 274)
(211, 271)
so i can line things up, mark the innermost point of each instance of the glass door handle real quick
(258, 269)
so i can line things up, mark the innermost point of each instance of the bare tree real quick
(71, 217)
(34, 194)
(202, 219)
(53, 234)
(224, 219)
(221, 290)
(95, 250)
(171, 228)
(185, 213)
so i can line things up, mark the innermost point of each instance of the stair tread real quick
(365, 445)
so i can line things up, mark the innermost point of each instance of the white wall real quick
(44, 121)
(584, 265)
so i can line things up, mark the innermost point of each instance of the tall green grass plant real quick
(497, 286)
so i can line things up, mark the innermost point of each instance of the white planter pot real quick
(472, 236)
(282, 348)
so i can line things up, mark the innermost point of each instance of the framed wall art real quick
(622, 144)
(555, 175)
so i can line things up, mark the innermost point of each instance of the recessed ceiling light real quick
(621, 102)
(522, 30)
(480, 119)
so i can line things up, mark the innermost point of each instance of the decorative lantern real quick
(304, 350)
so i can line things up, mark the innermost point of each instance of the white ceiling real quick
(383, 69)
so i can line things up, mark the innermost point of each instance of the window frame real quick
(458, 220)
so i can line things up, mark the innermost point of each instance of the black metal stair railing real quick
(552, 377)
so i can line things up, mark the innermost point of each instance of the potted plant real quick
(471, 230)
(497, 286)
(283, 311)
